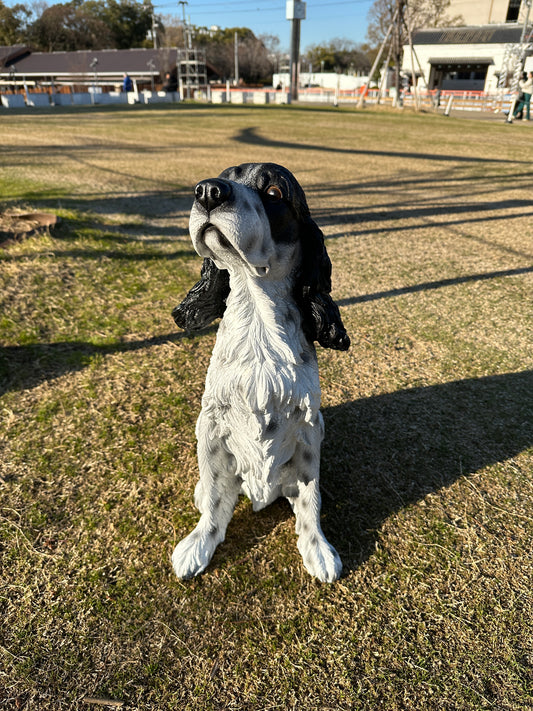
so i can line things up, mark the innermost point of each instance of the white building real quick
(462, 58)
(324, 80)
(470, 58)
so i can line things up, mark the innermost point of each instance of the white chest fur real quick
(262, 388)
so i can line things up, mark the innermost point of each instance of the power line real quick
(258, 9)
(239, 12)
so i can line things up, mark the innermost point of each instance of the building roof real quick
(461, 61)
(480, 34)
(111, 63)
(10, 54)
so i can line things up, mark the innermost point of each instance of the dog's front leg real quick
(215, 497)
(319, 556)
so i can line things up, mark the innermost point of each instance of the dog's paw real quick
(320, 558)
(192, 555)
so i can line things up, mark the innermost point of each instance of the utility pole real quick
(236, 59)
(148, 5)
(186, 51)
(185, 28)
(295, 12)
(154, 31)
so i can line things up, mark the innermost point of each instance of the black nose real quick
(212, 193)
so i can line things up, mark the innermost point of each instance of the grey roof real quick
(9, 54)
(480, 34)
(109, 63)
(462, 61)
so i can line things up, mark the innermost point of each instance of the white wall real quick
(326, 80)
(456, 51)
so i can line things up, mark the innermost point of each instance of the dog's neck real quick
(262, 314)
(261, 350)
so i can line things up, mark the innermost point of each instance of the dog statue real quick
(267, 273)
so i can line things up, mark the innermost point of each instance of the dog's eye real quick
(274, 193)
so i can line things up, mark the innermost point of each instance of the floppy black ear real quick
(321, 317)
(206, 301)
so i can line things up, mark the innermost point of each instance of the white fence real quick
(444, 101)
(85, 98)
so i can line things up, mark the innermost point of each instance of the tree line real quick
(76, 25)
(127, 24)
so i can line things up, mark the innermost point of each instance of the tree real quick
(129, 22)
(173, 34)
(13, 24)
(256, 63)
(339, 55)
(92, 24)
(418, 13)
(68, 27)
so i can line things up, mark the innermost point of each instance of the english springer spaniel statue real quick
(267, 273)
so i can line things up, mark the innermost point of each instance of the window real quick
(513, 10)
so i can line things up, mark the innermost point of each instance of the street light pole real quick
(186, 44)
(295, 12)
(236, 55)
(93, 64)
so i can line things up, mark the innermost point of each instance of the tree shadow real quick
(250, 136)
(382, 453)
(163, 203)
(27, 366)
(431, 285)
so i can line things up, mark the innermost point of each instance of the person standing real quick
(127, 84)
(171, 82)
(527, 88)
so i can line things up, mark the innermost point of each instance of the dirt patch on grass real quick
(16, 226)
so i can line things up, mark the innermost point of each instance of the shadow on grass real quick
(151, 205)
(383, 453)
(430, 285)
(25, 367)
(466, 214)
(379, 455)
(250, 136)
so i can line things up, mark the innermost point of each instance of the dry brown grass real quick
(426, 467)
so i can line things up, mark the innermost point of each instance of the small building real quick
(88, 69)
(463, 58)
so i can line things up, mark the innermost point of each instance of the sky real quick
(325, 20)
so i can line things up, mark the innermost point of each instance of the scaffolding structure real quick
(192, 71)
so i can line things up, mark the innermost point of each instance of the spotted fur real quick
(266, 271)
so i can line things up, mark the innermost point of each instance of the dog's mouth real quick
(215, 241)
(210, 233)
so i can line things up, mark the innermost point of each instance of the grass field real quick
(427, 462)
